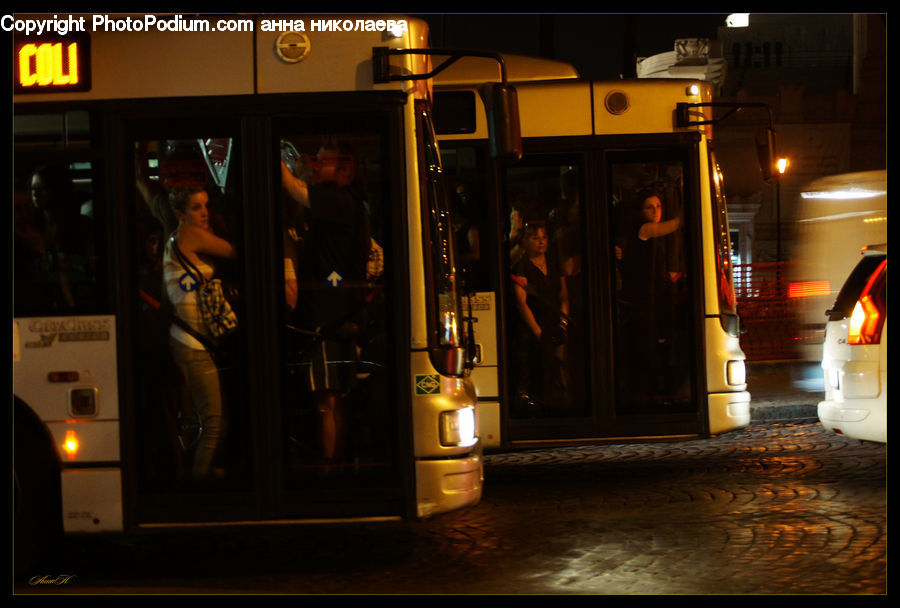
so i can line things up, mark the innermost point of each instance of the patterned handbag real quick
(215, 309)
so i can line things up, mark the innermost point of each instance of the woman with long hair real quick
(197, 243)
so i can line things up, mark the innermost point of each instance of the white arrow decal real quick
(335, 279)
(187, 282)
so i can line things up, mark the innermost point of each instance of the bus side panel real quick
(484, 318)
(485, 374)
(92, 500)
(67, 373)
(570, 103)
(81, 353)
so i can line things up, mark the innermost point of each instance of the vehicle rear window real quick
(853, 286)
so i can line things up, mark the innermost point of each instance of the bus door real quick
(652, 206)
(546, 329)
(295, 414)
(344, 349)
(578, 354)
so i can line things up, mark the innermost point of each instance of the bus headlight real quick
(458, 427)
(736, 373)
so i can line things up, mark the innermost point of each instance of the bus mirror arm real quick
(382, 72)
(768, 153)
(500, 99)
(765, 139)
(683, 114)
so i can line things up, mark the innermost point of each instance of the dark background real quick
(599, 45)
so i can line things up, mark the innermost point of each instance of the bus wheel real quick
(37, 499)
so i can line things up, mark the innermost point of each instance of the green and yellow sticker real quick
(428, 384)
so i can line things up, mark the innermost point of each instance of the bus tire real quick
(37, 494)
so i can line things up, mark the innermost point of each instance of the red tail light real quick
(867, 319)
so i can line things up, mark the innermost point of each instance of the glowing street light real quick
(738, 20)
(781, 166)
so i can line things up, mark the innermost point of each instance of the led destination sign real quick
(50, 64)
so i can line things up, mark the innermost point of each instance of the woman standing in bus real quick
(542, 303)
(196, 242)
(648, 298)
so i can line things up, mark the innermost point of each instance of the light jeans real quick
(202, 378)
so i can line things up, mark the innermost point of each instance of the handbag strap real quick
(189, 267)
(207, 342)
(186, 263)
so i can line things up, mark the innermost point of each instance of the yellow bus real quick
(162, 162)
(599, 267)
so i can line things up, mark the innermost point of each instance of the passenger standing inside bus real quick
(200, 246)
(542, 303)
(332, 278)
(295, 199)
(66, 236)
(648, 299)
(466, 231)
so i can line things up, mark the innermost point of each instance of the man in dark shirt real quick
(331, 279)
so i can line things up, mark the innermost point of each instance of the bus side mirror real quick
(501, 103)
(768, 153)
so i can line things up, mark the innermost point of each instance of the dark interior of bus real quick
(612, 352)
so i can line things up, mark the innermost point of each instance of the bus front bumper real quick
(446, 484)
(728, 411)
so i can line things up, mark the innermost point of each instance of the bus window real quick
(651, 285)
(336, 252)
(186, 207)
(725, 252)
(545, 312)
(56, 249)
(471, 209)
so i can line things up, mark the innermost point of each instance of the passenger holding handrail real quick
(648, 298)
(331, 275)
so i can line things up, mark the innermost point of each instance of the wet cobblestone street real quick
(777, 508)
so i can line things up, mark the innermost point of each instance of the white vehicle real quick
(854, 359)
(839, 215)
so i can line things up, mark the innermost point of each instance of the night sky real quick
(600, 45)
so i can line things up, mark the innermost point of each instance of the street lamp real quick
(781, 166)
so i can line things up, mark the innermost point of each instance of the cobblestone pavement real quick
(777, 508)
